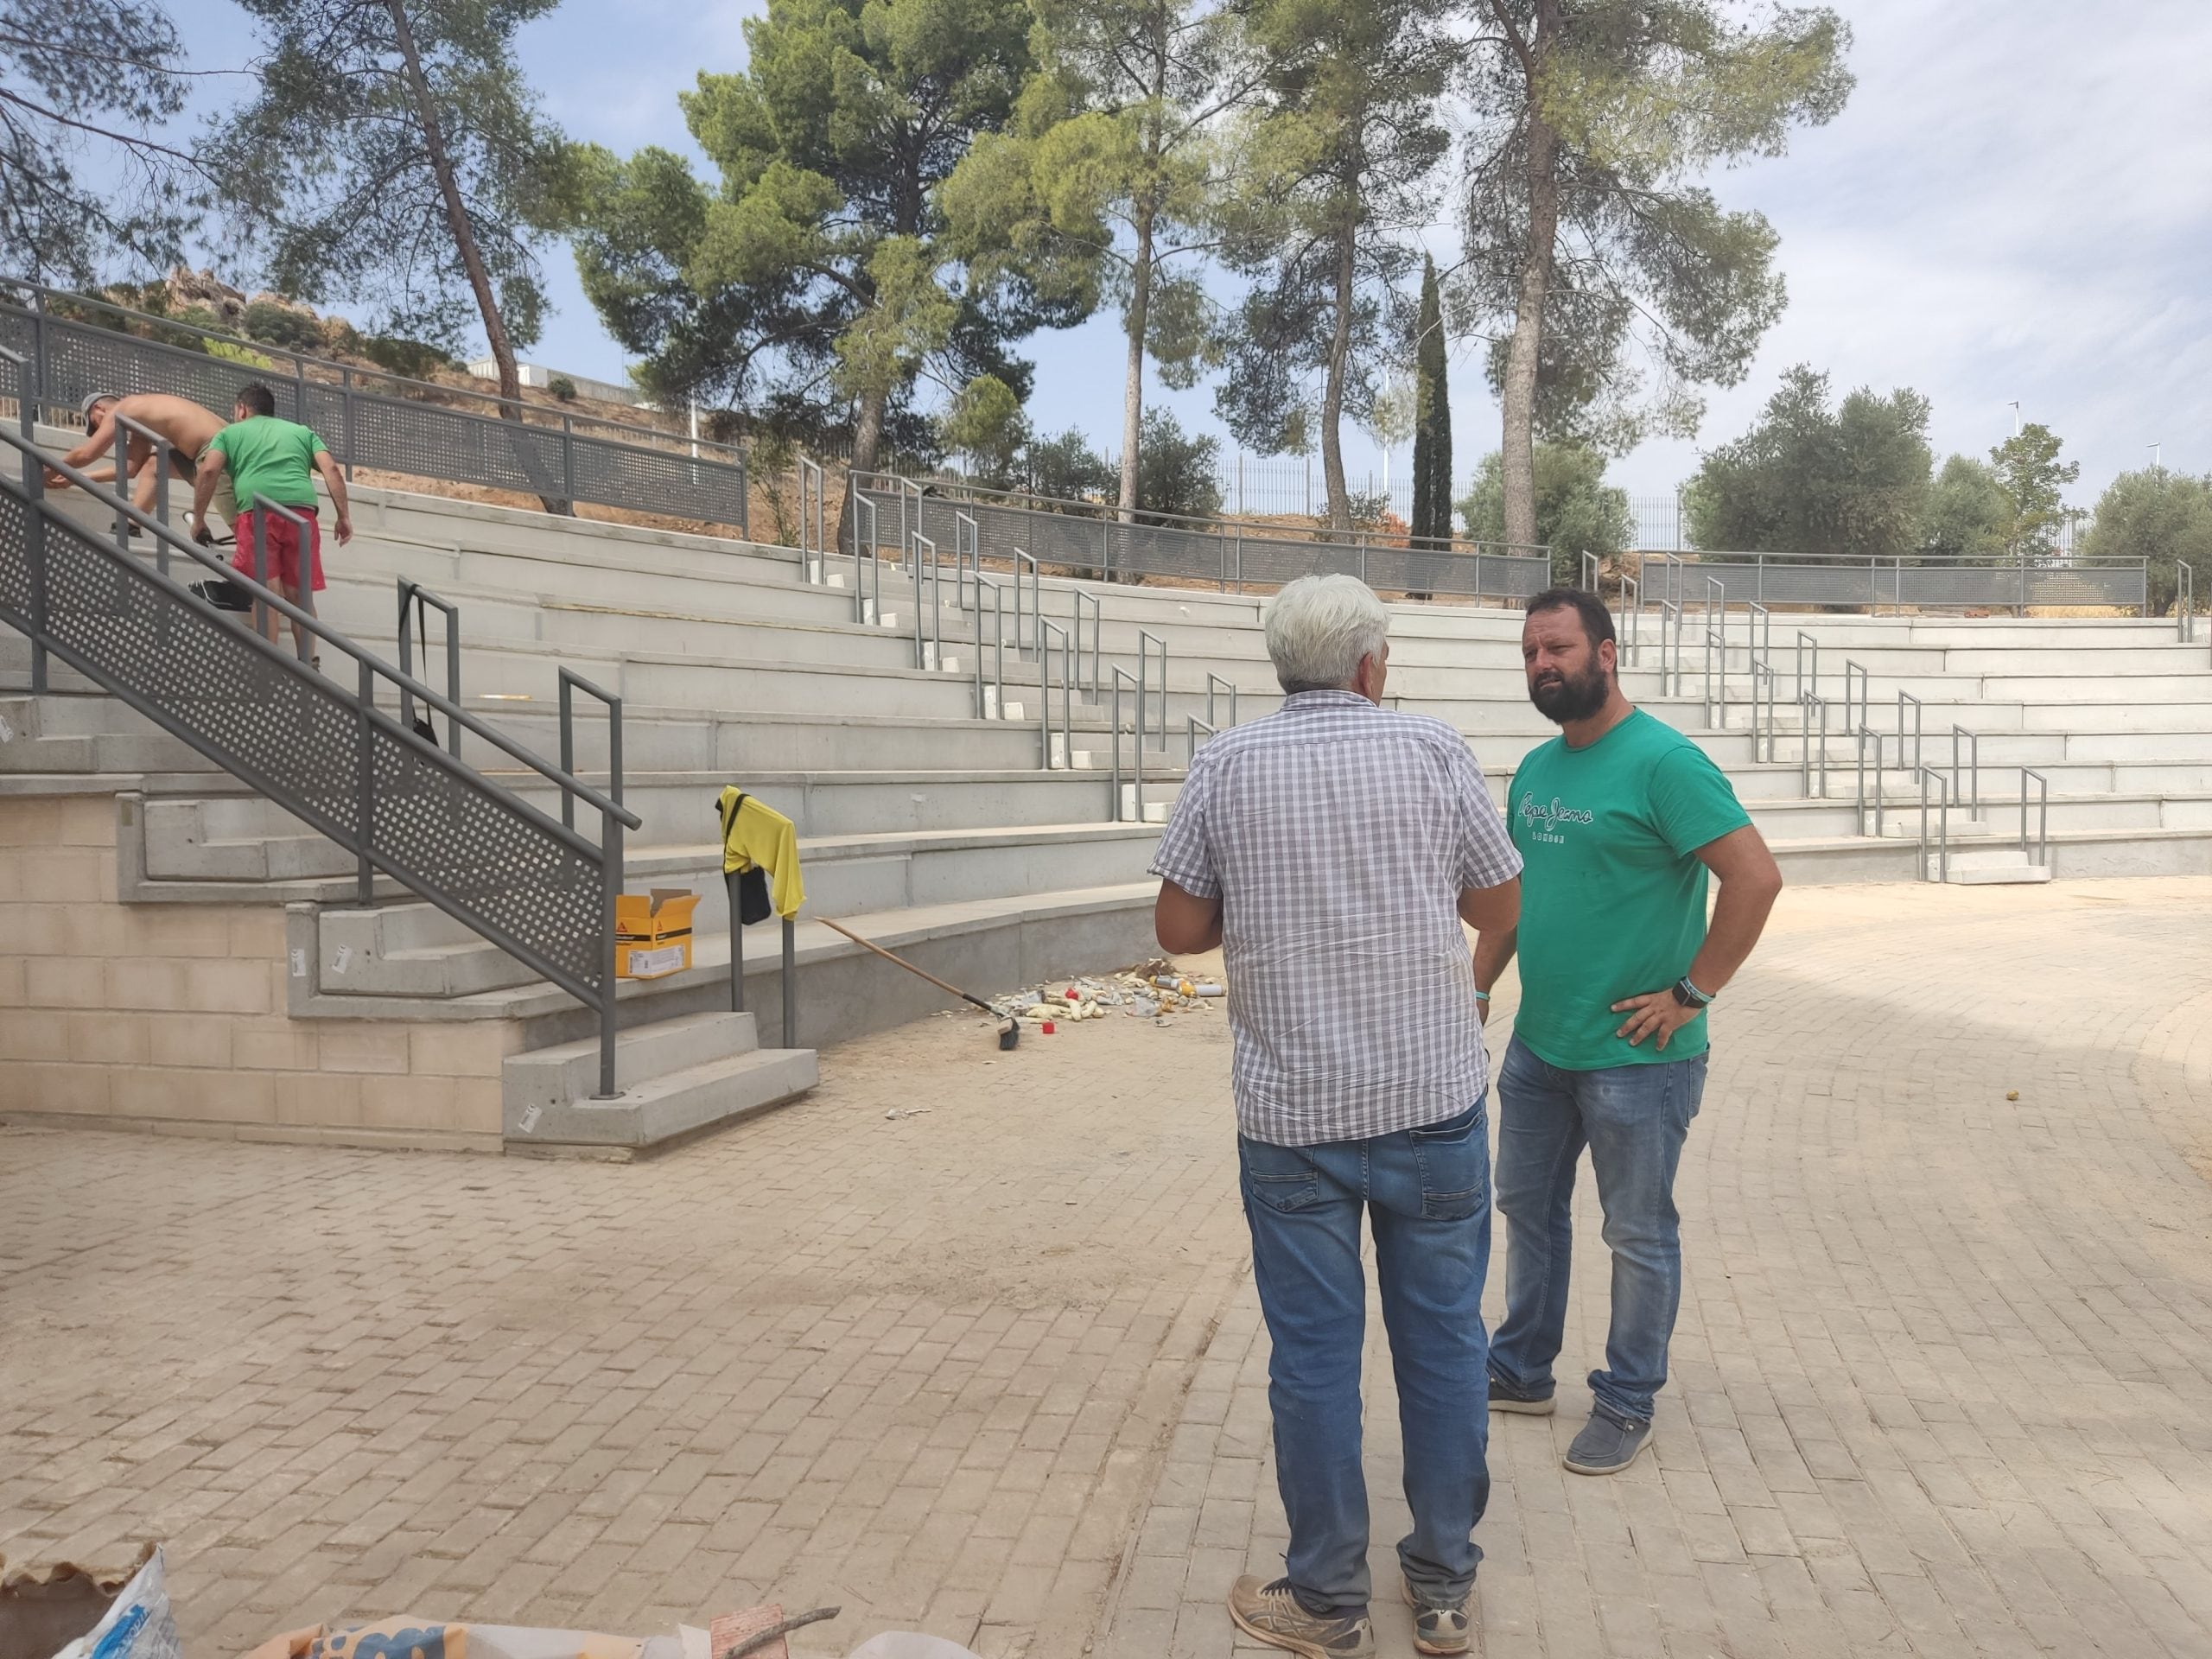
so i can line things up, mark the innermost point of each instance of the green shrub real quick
(412, 358)
(278, 325)
(243, 355)
(562, 387)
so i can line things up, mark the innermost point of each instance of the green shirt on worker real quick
(1612, 895)
(271, 458)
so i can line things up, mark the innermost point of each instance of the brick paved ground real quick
(1941, 1381)
(1942, 1384)
(919, 1368)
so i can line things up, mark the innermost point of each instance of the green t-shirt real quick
(1613, 900)
(267, 456)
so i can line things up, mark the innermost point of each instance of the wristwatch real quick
(1689, 995)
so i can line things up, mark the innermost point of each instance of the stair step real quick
(673, 1076)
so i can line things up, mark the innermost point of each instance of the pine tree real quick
(1432, 517)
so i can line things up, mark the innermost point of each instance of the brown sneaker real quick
(1269, 1613)
(1436, 1629)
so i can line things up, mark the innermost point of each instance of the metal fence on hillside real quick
(77, 346)
(1229, 554)
(1793, 579)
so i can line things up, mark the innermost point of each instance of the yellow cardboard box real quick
(652, 933)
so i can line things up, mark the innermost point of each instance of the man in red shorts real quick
(268, 461)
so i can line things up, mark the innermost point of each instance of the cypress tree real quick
(1432, 517)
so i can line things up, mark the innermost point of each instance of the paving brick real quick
(1914, 1413)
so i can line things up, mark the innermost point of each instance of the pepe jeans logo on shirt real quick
(1543, 820)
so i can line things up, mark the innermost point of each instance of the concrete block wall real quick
(171, 1017)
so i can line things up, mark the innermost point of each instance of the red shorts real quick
(282, 559)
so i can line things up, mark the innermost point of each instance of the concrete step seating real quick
(936, 830)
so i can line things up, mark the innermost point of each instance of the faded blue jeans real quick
(1633, 1118)
(1426, 1194)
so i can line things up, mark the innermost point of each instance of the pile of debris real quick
(1153, 991)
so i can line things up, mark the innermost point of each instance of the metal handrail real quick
(1807, 702)
(1217, 683)
(1762, 629)
(1110, 515)
(868, 566)
(1146, 638)
(1194, 725)
(1047, 632)
(2043, 842)
(413, 595)
(329, 636)
(1762, 672)
(891, 484)
(1973, 767)
(125, 426)
(589, 978)
(968, 542)
(1671, 604)
(1918, 712)
(813, 548)
(1759, 637)
(1716, 638)
(2184, 602)
(1084, 596)
(1628, 630)
(1036, 599)
(1803, 640)
(1863, 705)
(929, 636)
(1943, 824)
(570, 680)
(993, 708)
(1591, 569)
(1123, 676)
(1865, 733)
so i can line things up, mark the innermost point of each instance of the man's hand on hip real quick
(1655, 1012)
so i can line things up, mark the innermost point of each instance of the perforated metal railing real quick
(1873, 584)
(1228, 553)
(326, 747)
(371, 419)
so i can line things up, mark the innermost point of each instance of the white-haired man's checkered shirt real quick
(1339, 837)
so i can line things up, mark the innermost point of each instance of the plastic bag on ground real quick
(910, 1644)
(137, 1623)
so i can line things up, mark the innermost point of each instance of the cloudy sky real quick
(2016, 204)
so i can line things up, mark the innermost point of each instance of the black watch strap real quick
(1689, 995)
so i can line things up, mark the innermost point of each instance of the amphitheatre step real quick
(674, 1078)
(986, 946)
(246, 838)
(1991, 867)
(411, 949)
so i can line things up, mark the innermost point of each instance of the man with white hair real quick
(1333, 851)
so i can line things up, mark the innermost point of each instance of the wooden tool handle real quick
(950, 990)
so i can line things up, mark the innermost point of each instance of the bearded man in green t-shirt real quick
(1620, 821)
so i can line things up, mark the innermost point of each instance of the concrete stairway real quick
(927, 818)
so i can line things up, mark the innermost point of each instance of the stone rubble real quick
(1153, 990)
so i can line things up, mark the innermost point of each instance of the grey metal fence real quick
(326, 749)
(1229, 553)
(1871, 584)
(77, 346)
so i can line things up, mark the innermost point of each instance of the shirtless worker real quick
(188, 428)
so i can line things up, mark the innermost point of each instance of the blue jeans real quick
(1426, 1192)
(1633, 1118)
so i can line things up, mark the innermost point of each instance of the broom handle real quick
(950, 990)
